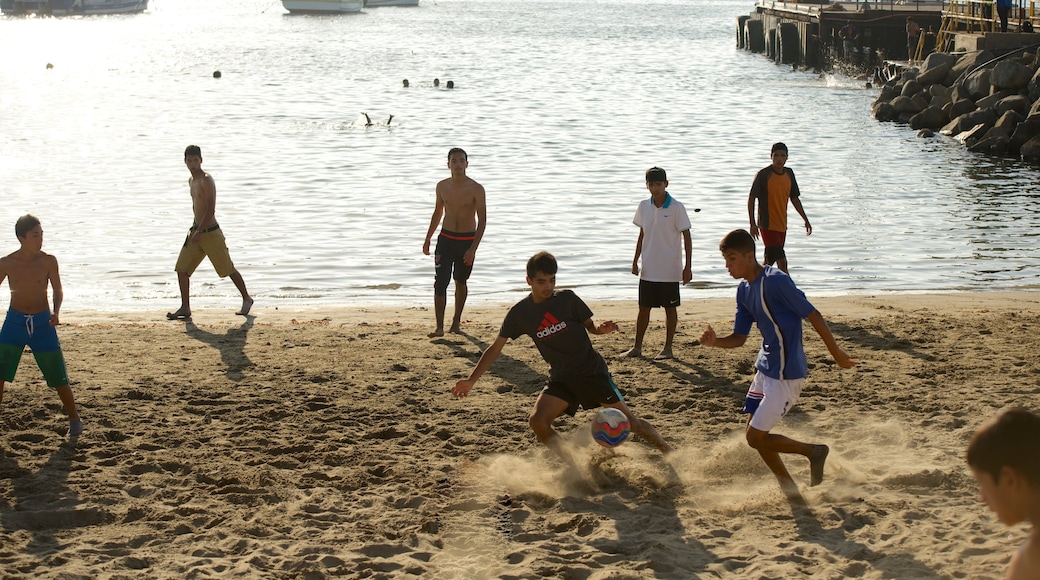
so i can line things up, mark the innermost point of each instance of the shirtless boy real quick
(1004, 456)
(204, 238)
(460, 200)
(29, 321)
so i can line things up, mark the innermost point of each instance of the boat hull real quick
(379, 3)
(67, 7)
(323, 6)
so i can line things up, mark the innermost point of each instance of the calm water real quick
(562, 105)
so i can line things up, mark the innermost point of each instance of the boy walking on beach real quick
(29, 321)
(1004, 456)
(769, 298)
(773, 187)
(460, 200)
(664, 226)
(204, 238)
(560, 323)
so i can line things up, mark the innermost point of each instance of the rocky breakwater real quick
(990, 104)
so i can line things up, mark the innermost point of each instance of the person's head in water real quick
(436, 82)
(451, 84)
(457, 151)
(404, 83)
(192, 151)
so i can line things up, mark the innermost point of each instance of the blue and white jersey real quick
(777, 306)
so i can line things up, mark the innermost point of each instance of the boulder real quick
(1023, 132)
(961, 107)
(996, 145)
(1030, 151)
(910, 88)
(1008, 121)
(1008, 74)
(1016, 103)
(1034, 111)
(931, 118)
(884, 111)
(925, 134)
(889, 92)
(936, 67)
(977, 83)
(973, 135)
(1034, 86)
(966, 63)
(940, 94)
(903, 104)
(987, 117)
(990, 101)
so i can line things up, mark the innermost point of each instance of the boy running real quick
(768, 298)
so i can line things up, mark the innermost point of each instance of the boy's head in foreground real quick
(656, 180)
(1004, 456)
(738, 249)
(541, 275)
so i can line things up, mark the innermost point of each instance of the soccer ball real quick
(610, 427)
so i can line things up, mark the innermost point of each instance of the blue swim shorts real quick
(35, 331)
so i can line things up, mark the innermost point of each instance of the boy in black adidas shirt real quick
(578, 375)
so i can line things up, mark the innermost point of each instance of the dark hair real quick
(193, 150)
(543, 262)
(24, 224)
(778, 146)
(738, 240)
(455, 150)
(1011, 439)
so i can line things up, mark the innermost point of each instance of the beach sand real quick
(319, 443)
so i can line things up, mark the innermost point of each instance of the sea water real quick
(561, 106)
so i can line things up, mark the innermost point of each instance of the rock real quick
(1023, 132)
(996, 145)
(977, 83)
(1034, 111)
(925, 134)
(1008, 121)
(1031, 150)
(1034, 86)
(1016, 103)
(966, 63)
(931, 118)
(936, 67)
(1008, 74)
(986, 117)
(884, 111)
(889, 92)
(990, 100)
(940, 94)
(973, 135)
(961, 107)
(903, 104)
(910, 88)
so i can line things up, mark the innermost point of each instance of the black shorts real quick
(658, 294)
(590, 392)
(447, 258)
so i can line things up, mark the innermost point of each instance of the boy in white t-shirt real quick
(662, 222)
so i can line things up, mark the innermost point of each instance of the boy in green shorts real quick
(29, 321)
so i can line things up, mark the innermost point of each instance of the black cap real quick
(656, 174)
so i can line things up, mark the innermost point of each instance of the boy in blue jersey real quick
(560, 323)
(769, 298)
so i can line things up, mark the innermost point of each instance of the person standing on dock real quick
(913, 34)
(1003, 11)
(849, 34)
(773, 187)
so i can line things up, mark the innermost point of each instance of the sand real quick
(324, 443)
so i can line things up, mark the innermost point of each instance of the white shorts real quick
(769, 399)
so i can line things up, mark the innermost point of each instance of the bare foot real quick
(632, 353)
(180, 314)
(664, 355)
(436, 333)
(816, 461)
(246, 305)
(455, 329)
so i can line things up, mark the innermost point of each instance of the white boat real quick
(66, 7)
(378, 3)
(323, 6)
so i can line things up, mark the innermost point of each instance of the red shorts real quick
(772, 238)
